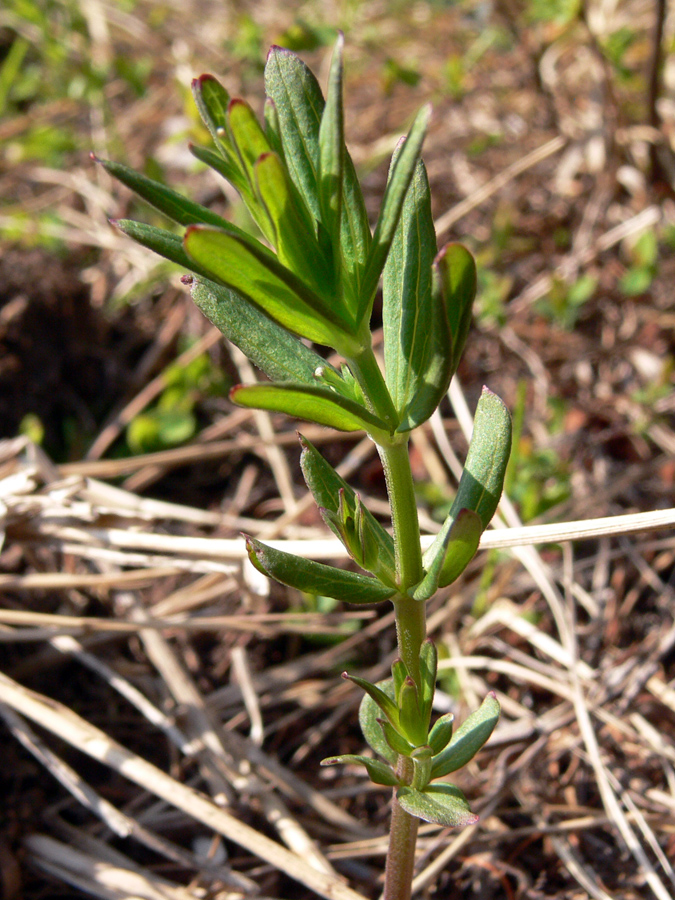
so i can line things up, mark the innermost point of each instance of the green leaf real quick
(468, 739)
(395, 739)
(451, 552)
(399, 672)
(441, 733)
(379, 772)
(299, 107)
(170, 203)
(290, 230)
(249, 268)
(416, 331)
(315, 578)
(247, 136)
(400, 176)
(280, 355)
(325, 485)
(212, 101)
(413, 723)
(428, 670)
(369, 713)
(165, 243)
(482, 481)
(455, 287)
(331, 152)
(421, 757)
(226, 168)
(299, 104)
(315, 404)
(440, 804)
(379, 696)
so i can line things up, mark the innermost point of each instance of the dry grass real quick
(165, 709)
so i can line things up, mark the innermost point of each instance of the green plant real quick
(318, 283)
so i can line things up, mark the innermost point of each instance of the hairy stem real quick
(402, 840)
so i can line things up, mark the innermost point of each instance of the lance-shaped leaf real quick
(172, 204)
(165, 243)
(440, 734)
(314, 404)
(379, 772)
(482, 481)
(451, 552)
(276, 351)
(315, 578)
(441, 804)
(229, 171)
(468, 739)
(291, 231)
(416, 331)
(280, 355)
(399, 673)
(299, 107)
(379, 696)
(395, 739)
(332, 152)
(428, 671)
(455, 286)
(212, 101)
(413, 721)
(421, 757)
(253, 271)
(369, 714)
(326, 484)
(400, 176)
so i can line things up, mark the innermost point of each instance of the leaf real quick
(212, 101)
(315, 578)
(441, 733)
(280, 355)
(165, 243)
(416, 331)
(299, 106)
(227, 169)
(172, 204)
(249, 268)
(369, 713)
(400, 176)
(413, 723)
(468, 739)
(379, 772)
(315, 404)
(395, 739)
(440, 804)
(451, 552)
(455, 285)
(325, 484)
(332, 152)
(290, 231)
(379, 696)
(428, 671)
(482, 481)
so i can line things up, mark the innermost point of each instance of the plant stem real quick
(402, 840)
(410, 614)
